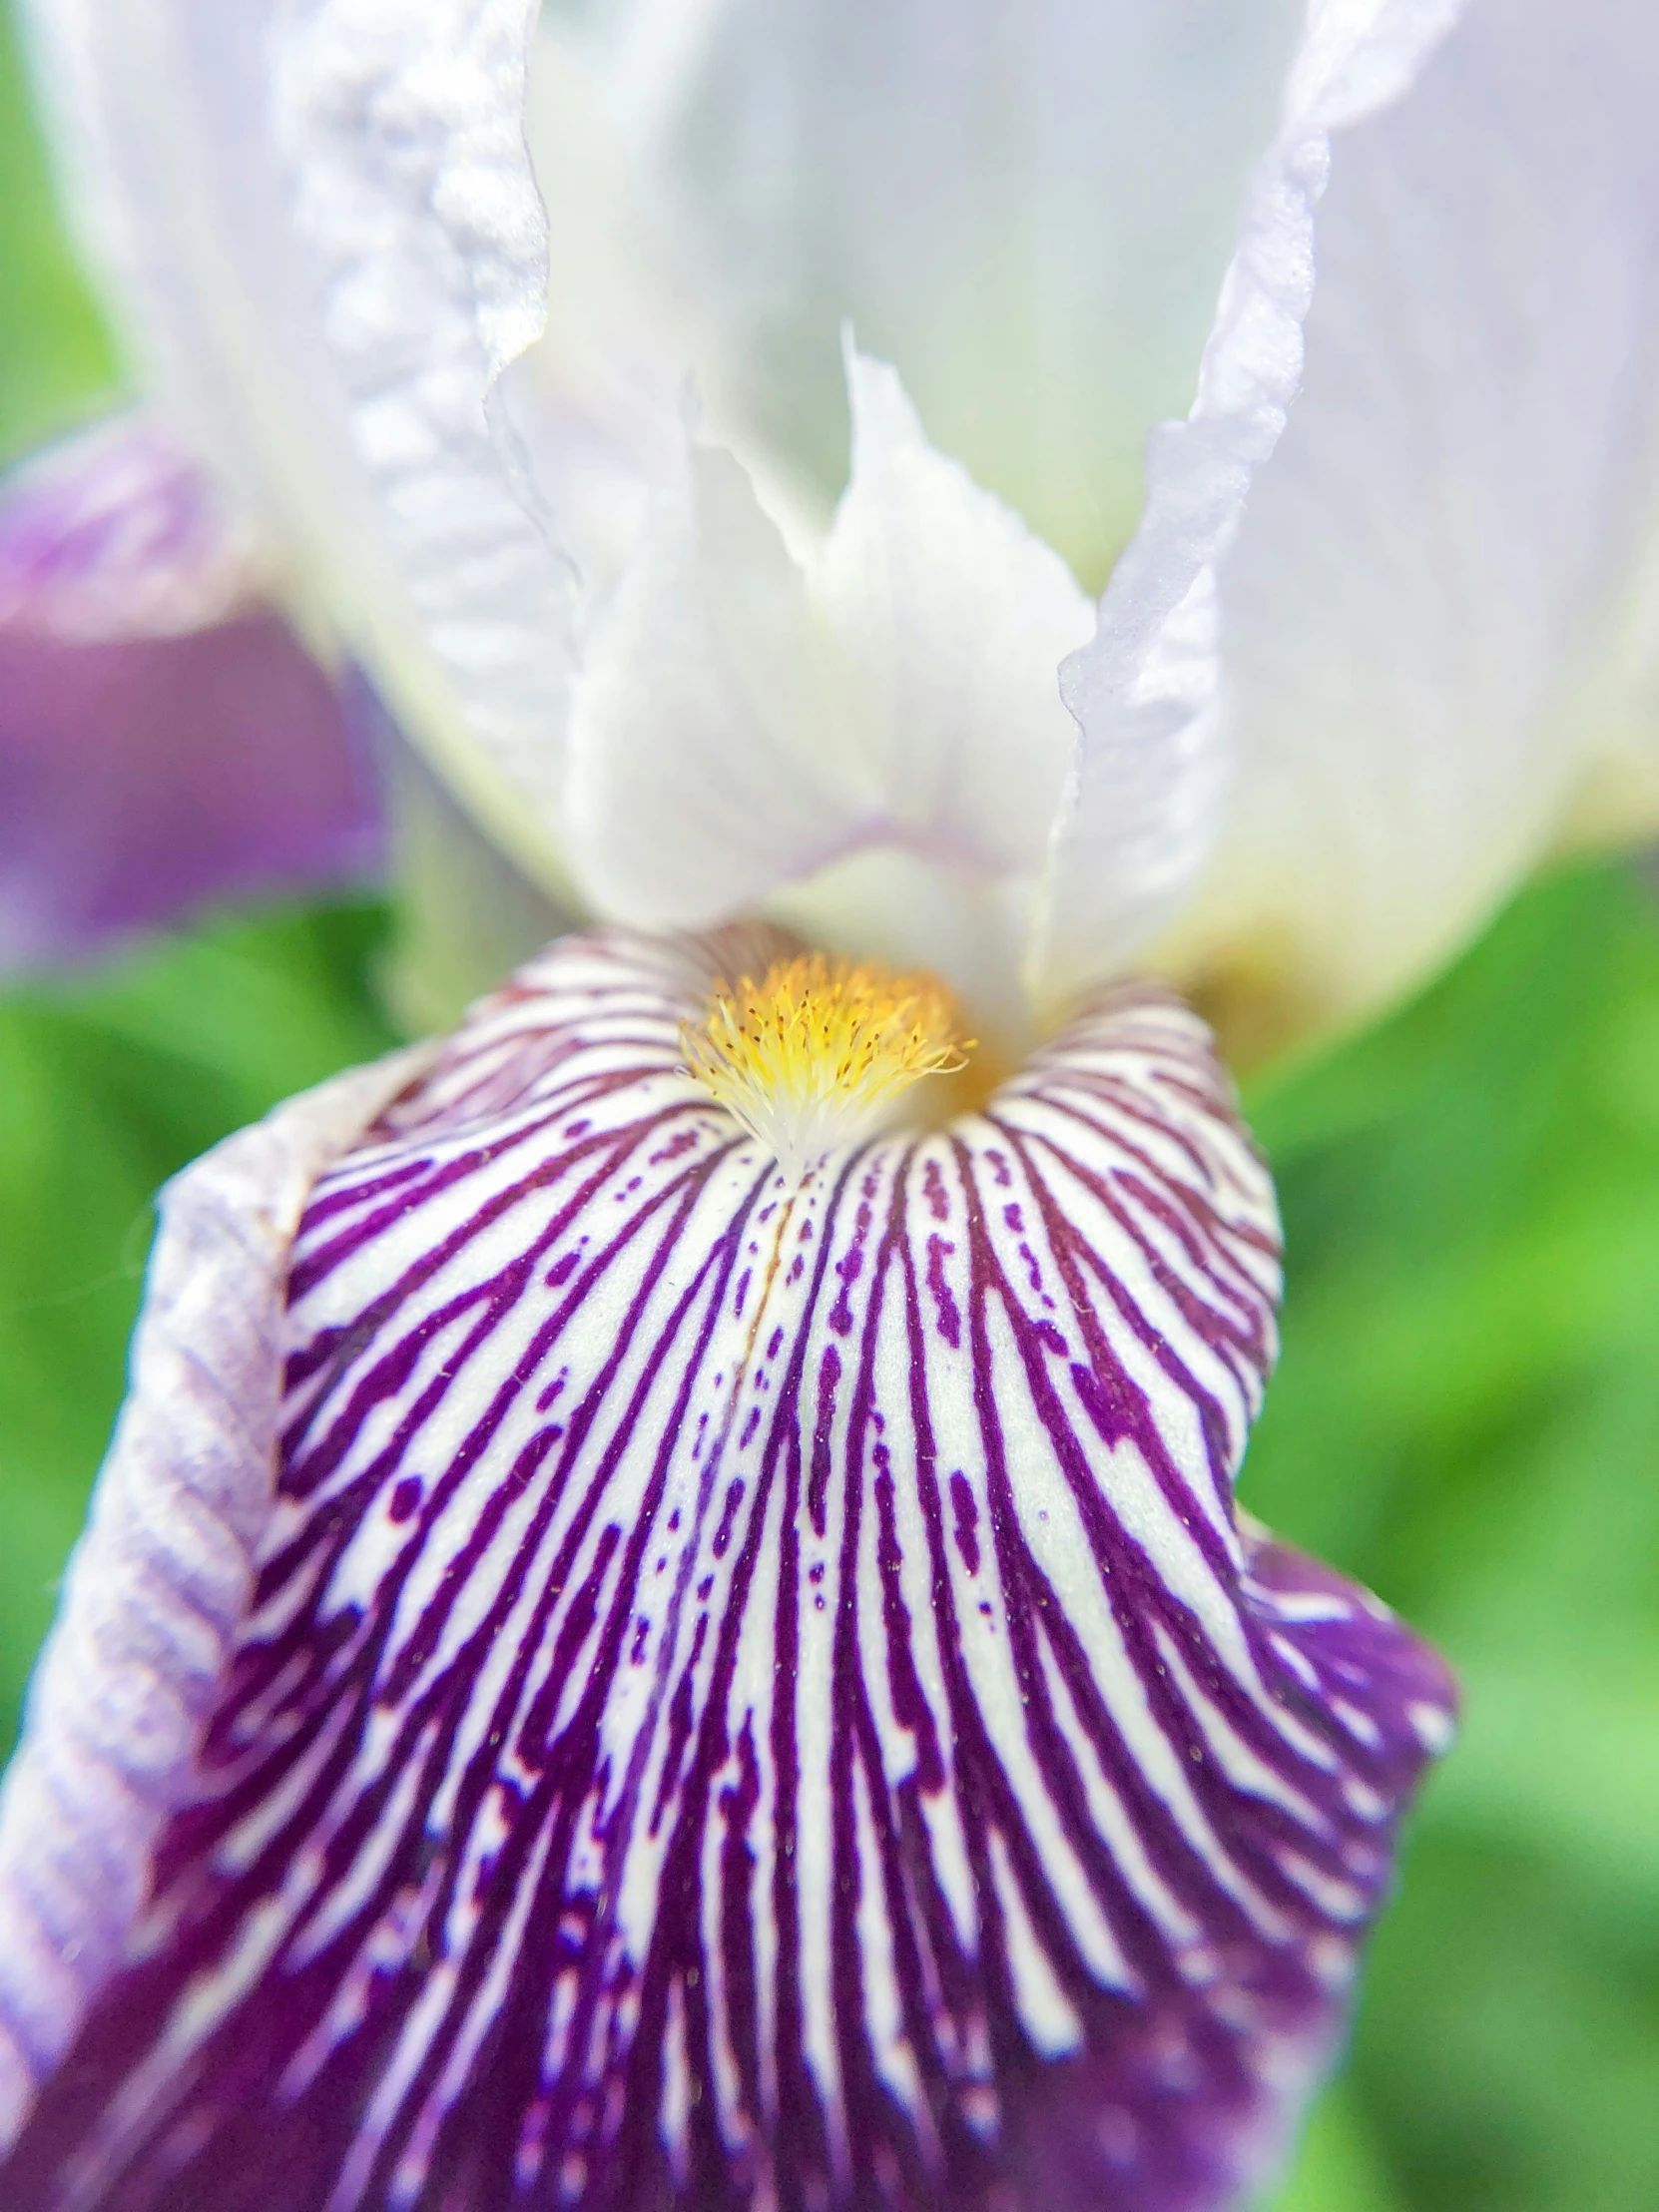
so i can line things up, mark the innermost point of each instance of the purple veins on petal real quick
(926, 1797)
(165, 739)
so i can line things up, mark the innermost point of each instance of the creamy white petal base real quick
(749, 729)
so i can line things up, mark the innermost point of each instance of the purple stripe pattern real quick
(756, 1695)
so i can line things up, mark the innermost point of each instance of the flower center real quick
(815, 1054)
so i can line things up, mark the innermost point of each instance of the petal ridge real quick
(155, 1591)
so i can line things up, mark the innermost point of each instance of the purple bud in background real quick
(165, 737)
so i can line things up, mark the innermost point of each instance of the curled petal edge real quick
(1141, 815)
(157, 1586)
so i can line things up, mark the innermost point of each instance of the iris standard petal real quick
(1441, 610)
(1029, 214)
(1154, 764)
(324, 221)
(165, 737)
(754, 1694)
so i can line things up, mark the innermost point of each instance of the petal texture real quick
(322, 222)
(1143, 811)
(160, 1581)
(164, 736)
(757, 1697)
(1442, 611)
(402, 146)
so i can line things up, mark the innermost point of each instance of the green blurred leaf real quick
(1467, 1416)
(57, 363)
(110, 1085)
(1338, 2169)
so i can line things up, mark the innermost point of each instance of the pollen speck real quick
(817, 1052)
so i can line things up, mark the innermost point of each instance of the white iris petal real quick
(331, 280)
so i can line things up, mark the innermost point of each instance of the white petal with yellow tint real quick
(1442, 611)
(1153, 767)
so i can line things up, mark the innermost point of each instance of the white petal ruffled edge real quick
(1144, 805)
(1438, 616)
(321, 229)
(155, 1591)
(400, 135)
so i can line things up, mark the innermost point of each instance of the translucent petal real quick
(1441, 613)
(709, 751)
(1152, 772)
(874, 742)
(1028, 213)
(754, 1694)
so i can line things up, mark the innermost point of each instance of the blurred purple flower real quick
(165, 737)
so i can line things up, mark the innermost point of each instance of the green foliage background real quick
(1467, 1414)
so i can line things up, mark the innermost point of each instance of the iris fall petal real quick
(755, 1693)
(160, 1580)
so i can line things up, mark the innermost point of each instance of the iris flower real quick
(666, 1623)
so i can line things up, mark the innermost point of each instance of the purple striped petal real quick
(757, 1697)
(165, 737)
